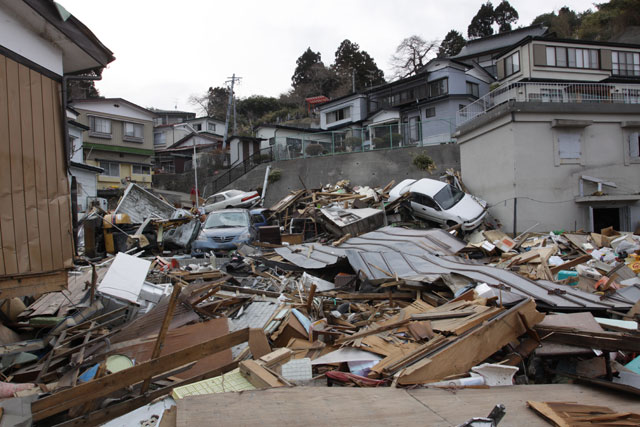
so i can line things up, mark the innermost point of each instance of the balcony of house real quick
(413, 133)
(550, 93)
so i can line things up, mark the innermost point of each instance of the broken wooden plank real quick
(82, 393)
(258, 375)
(473, 347)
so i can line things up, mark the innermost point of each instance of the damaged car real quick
(442, 203)
(223, 231)
(231, 199)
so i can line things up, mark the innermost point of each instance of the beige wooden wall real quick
(36, 238)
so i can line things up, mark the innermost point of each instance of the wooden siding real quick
(35, 209)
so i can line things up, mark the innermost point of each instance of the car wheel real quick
(451, 224)
(228, 207)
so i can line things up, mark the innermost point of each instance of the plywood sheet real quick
(178, 339)
(321, 406)
(35, 206)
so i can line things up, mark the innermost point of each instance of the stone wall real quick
(372, 168)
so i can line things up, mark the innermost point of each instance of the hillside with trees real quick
(353, 67)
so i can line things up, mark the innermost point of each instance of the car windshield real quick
(233, 193)
(448, 196)
(227, 220)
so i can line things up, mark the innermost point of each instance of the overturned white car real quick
(442, 203)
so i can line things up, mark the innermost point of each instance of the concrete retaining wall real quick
(372, 168)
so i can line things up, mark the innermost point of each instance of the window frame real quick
(554, 53)
(442, 86)
(339, 114)
(473, 89)
(107, 169)
(510, 65)
(428, 110)
(100, 134)
(557, 132)
(134, 137)
(161, 136)
(141, 168)
(635, 63)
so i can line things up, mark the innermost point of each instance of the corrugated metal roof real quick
(375, 265)
(387, 239)
(415, 242)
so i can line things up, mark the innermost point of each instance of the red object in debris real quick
(244, 199)
(359, 380)
(315, 100)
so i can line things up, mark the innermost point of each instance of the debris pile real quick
(341, 288)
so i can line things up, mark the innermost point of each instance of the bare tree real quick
(412, 54)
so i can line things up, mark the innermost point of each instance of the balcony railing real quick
(379, 137)
(570, 93)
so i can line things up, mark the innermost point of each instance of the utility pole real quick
(353, 80)
(226, 124)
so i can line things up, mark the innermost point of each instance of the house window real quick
(141, 169)
(430, 112)
(569, 144)
(198, 126)
(634, 145)
(211, 127)
(110, 168)
(100, 127)
(572, 57)
(512, 64)
(272, 141)
(473, 89)
(133, 131)
(159, 138)
(439, 88)
(337, 115)
(625, 63)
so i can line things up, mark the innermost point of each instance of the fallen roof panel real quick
(376, 265)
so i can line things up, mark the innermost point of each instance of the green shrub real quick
(353, 143)
(274, 175)
(424, 162)
(314, 149)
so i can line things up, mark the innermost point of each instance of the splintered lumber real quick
(258, 375)
(566, 414)
(103, 415)
(373, 331)
(102, 387)
(473, 347)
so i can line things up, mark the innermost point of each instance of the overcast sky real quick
(167, 50)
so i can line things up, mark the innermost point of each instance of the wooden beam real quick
(19, 286)
(473, 347)
(101, 416)
(82, 393)
(168, 315)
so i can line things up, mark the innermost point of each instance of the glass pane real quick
(561, 57)
(572, 57)
(551, 56)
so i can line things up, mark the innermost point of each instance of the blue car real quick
(224, 231)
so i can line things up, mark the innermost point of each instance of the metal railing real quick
(572, 93)
(265, 155)
(353, 140)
